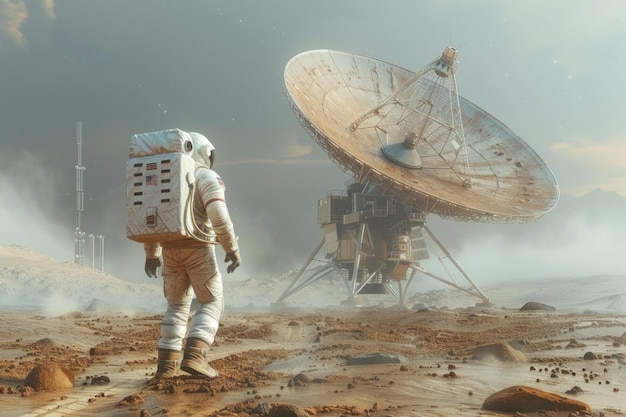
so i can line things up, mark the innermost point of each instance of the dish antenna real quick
(414, 147)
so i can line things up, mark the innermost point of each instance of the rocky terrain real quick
(439, 356)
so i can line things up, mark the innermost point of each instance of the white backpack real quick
(159, 177)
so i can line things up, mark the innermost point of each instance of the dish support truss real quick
(392, 241)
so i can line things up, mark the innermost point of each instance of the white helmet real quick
(203, 149)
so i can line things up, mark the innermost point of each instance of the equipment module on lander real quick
(414, 147)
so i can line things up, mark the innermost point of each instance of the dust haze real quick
(578, 249)
(582, 236)
(28, 213)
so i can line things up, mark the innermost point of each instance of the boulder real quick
(49, 378)
(522, 399)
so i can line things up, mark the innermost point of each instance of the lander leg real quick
(477, 291)
(355, 286)
(319, 273)
(376, 246)
(400, 294)
(357, 260)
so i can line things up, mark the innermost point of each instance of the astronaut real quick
(190, 264)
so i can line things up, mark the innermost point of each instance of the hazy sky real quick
(551, 70)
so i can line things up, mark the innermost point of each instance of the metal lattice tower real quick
(79, 235)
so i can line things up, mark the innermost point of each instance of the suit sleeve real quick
(212, 189)
(153, 250)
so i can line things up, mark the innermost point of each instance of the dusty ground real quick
(300, 359)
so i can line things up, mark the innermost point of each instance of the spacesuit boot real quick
(167, 363)
(195, 358)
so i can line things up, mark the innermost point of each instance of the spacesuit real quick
(190, 264)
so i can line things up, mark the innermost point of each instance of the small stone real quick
(590, 356)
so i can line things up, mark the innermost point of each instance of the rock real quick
(533, 305)
(501, 351)
(286, 410)
(302, 378)
(521, 398)
(131, 400)
(100, 380)
(100, 351)
(375, 358)
(46, 341)
(573, 343)
(49, 378)
(590, 356)
(261, 409)
(575, 390)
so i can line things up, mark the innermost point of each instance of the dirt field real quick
(295, 361)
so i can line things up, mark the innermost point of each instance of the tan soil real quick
(299, 359)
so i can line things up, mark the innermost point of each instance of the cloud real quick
(295, 150)
(290, 152)
(48, 7)
(12, 15)
(578, 21)
(598, 164)
(598, 155)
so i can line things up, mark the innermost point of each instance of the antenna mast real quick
(79, 235)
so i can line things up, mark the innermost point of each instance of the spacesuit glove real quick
(235, 260)
(152, 267)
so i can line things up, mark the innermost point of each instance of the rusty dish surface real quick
(331, 91)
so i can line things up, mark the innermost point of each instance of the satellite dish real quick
(414, 135)
(414, 147)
